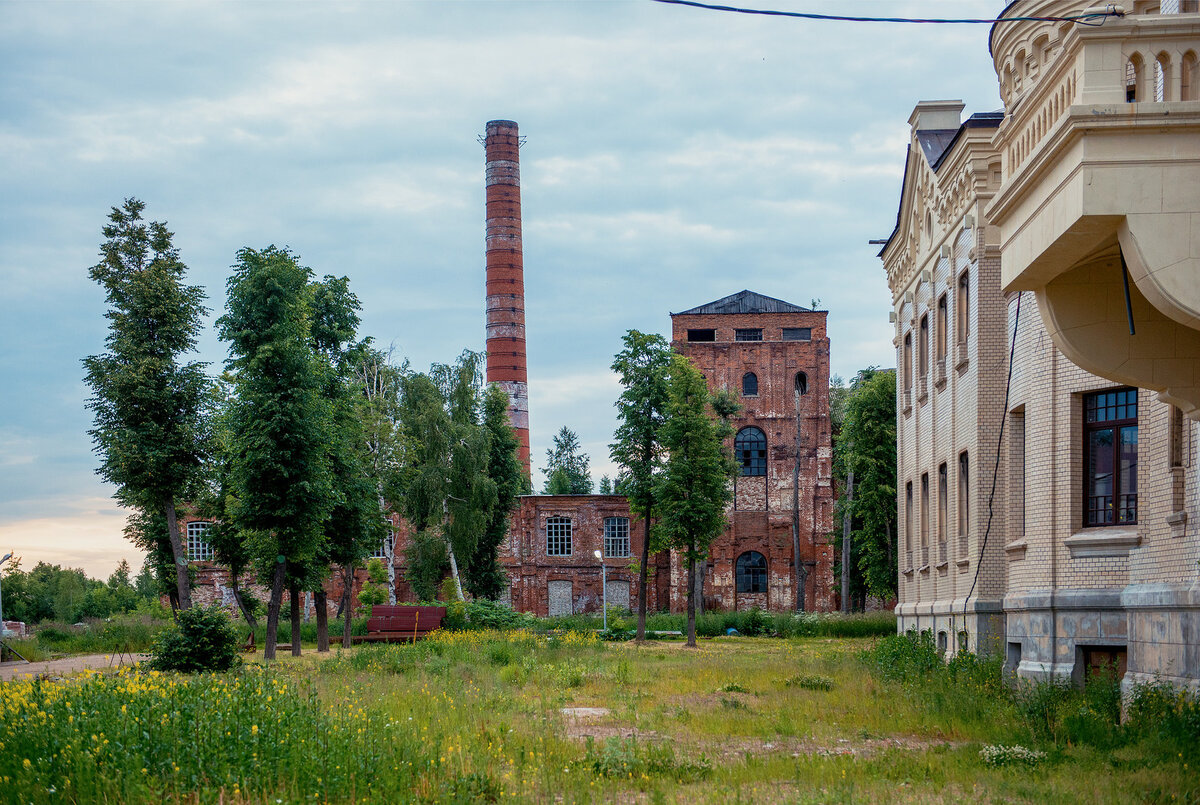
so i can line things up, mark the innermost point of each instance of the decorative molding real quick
(1109, 541)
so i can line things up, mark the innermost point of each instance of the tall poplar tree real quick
(148, 406)
(641, 410)
(279, 420)
(482, 573)
(696, 482)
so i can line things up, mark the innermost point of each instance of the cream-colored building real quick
(1053, 515)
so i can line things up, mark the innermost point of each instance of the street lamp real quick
(603, 588)
(3, 628)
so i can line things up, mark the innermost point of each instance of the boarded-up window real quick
(559, 598)
(797, 334)
(618, 594)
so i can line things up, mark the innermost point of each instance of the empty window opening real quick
(923, 366)
(199, 549)
(558, 536)
(754, 334)
(616, 537)
(750, 448)
(752, 573)
(750, 384)
(1133, 79)
(943, 642)
(801, 383)
(907, 360)
(962, 308)
(797, 334)
(702, 335)
(1110, 460)
(942, 320)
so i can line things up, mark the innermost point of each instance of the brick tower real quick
(506, 276)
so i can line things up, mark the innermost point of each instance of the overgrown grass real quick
(133, 632)
(751, 623)
(491, 715)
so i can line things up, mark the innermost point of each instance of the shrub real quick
(1163, 711)
(201, 640)
(999, 755)
(809, 682)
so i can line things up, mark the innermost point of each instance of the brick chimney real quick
(506, 276)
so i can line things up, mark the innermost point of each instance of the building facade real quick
(1079, 212)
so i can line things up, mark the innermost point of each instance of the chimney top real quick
(936, 115)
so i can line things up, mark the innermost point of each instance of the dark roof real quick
(745, 302)
(979, 120)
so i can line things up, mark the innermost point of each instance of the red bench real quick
(397, 624)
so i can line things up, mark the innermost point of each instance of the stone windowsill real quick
(1016, 548)
(923, 569)
(943, 568)
(963, 564)
(924, 395)
(907, 410)
(908, 571)
(1178, 523)
(963, 358)
(940, 383)
(1104, 541)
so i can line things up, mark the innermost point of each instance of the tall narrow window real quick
(616, 537)
(1110, 465)
(962, 307)
(964, 502)
(1176, 457)
(558, 536)
(750, 384)
(924, 518)
(1016, 473)
(801, 383)
(1189, 77)
(751, 572)
(750, 449)
(923, 358)
(907, 357)
(943, 493)
(1133, 79)
(908, 520)
(199, 549)
(942, 322)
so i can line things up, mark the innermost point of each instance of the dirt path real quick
(67, 665)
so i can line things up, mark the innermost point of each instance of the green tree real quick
(867, 443)
(695, 484)
(643, 366)
(606, 485)
(566, 467)
(482, 573)
(148, 407)
(279, 420)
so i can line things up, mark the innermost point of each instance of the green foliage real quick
(866, 443)
(133, 632)
(53, 593)
(566, 468)
(375, 591)
(482, 574)
(202, 639)
(149, 409)
(624, 758)
(1166, 713)
(809, 682)
(427, 564)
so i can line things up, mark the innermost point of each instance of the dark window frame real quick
(750, 449)
(1114, 411)
(616, 537)
(748, 334)
(749, 385)
(750, 571)
(797, 334)
(560, 534)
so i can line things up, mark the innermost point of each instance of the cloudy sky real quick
(674, 156)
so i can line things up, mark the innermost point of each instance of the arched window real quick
(1189, 78)
(1134, 73)
(752, 573)
(801, 383)
(750, 447)
(750, 384)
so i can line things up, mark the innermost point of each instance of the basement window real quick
(797, 334)
(702, 335)
(748, 335)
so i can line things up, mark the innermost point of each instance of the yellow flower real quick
(27, 764)
(254, 729)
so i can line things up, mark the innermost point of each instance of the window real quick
(1189, 78)
(749, 385)
(907, 359)
(925, 513)
(923, 357)
(801, 383)
(797, 334)
(198, 548)
(942, 321)
(747, 335)
(702, 335)
(1175, 454)
(558, 536)
(750, 448)
(752, 573)
(943, 494)
(962, 309)
(1110, 443)
(616, 537)
(381, 552)
(1133, 79)
(908, 518)
(964, 501)
(1016, 474)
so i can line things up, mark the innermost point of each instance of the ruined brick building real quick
(775, 357)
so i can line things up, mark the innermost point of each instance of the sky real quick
(673, 156)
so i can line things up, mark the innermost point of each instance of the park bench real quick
(395, 624)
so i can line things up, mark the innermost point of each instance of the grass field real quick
(491, 716)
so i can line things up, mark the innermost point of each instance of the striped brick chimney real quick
(506, 276)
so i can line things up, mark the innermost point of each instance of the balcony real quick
(1101, 162)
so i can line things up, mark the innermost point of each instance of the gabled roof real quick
(745, 302)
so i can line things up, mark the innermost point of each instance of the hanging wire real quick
(1092, 18)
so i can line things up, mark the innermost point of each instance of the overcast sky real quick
(674, 156)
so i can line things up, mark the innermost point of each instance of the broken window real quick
(752, 573)
(702, 335)
(748, 335)
(750, 448)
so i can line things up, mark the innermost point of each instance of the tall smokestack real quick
(506, 276)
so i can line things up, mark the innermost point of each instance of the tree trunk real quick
(800, 574)
(246, 611)
(347, 595)
(182, 584)
(322, 620)
(700, 587)
(450, 552)
(294, 606)
(273, 610)
(691, 610)
(643, 576)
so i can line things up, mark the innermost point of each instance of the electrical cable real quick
(1012, 351)
(1083, 19)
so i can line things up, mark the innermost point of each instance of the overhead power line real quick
(1092, 18)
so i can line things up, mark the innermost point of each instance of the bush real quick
(1163, 711)
(202, 640)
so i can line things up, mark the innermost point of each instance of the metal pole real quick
(604, 592)
(3, 628)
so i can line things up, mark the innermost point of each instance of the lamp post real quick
(603, 588)
(3, 628)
